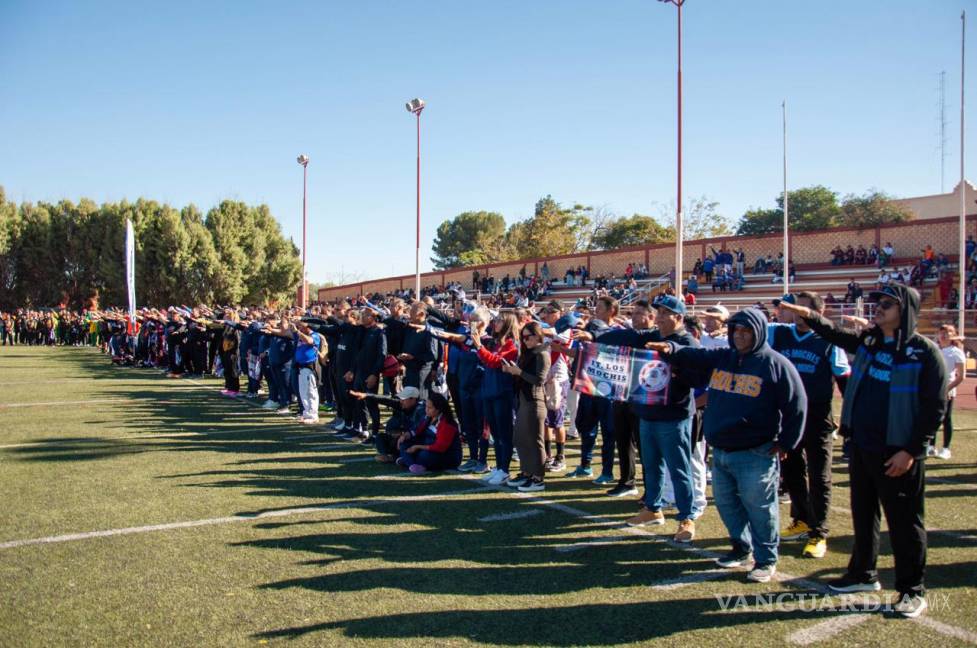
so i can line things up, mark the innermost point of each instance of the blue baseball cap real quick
(670, 302)
(789, 298)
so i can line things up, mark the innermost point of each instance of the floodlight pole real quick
(962, 254)
(679, 237)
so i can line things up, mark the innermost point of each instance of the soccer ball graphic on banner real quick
(654, 376)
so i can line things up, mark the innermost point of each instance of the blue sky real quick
(197, 102)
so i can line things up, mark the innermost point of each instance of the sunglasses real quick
(886, 304)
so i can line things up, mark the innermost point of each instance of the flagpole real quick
(962, 253)
(786, 269)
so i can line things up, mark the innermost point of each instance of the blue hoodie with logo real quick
(754, 398)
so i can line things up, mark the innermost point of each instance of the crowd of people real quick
(471, 388)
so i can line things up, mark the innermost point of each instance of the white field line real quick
(151, 436)
(58, 403)
(690, 579)
(946, 629)
(516, 515)
(826, 629)
(597, 542)
(11, 544)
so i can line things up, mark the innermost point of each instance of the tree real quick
(553, 230)
(470, 238)
(631, 231)
(810, 208)
(871, 209)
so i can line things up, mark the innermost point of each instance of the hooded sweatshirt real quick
(895, 398)
(754, 398)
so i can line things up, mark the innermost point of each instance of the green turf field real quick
(227, 525)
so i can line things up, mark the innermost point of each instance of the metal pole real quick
(786, 272)
(679, 237)
(417, 249)
(962, 258)
(305, 284)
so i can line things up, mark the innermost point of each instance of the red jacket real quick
(445, 434)
(492, 360)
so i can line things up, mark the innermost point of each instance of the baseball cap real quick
(670, 302)
(718, 310)
(886, 291)
(408, 392)
(789, 298)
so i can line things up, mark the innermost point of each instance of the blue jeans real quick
(668, 444)
(744, 485)
(498, 412)
(591, 413)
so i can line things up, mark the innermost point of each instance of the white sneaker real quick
(944, 453)
(309, 421)
(761, 574)
(490, 475)
(500, 478)
(930, 451)
(283, 410)
(269, 404)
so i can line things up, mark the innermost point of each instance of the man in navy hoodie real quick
(756, 414)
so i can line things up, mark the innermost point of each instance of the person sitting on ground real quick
(436, 443)
(408, 413)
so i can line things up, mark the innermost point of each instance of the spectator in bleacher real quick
(792, 271)
(861, 255)
(849, 255)
(971, 293)
(697, 268)
(740, 261)
(720, 280)
(760, 267)
(873, 254)
(707, 268)
(837, 256)
(692, 285)
(888, 252)
(883, 279)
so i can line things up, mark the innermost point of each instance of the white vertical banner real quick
(131, 270)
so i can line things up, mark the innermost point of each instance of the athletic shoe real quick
(557, 465)
(761, 573)
(364, 438)
(669, 506)
(417, 469)
(339, 426)
(846, 585)
(910, 606)
(647, 518)
(400, 462)
(309, 421)
(622, 491)
(283, 410)
(708, 476)
(384, 458)
(797, 530)
(815, 548)
(686, 532)
(581, 471)
(517, 481)
(930, 451)
(335, 423)
(480, 468)
(532, 486)
(784, 497)
(944, 453)
(468, 466)
(604, 479)
(734, 558)
(500, 477)
(269, 404)
(490, 474)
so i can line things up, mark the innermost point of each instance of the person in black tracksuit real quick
(807, 469)
(419, 352)
(894, 404)
(366, 373)
(342, 334)
(394, 328)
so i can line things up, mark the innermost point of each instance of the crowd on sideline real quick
(487, 391)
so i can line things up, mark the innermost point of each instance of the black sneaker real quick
(735, 558)
(910, 605)
(533, 485)
(847, 584)
(518, 480)
(622, 490)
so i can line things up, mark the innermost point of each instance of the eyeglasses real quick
(886, 304)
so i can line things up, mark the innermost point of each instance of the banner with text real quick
(622, 374)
